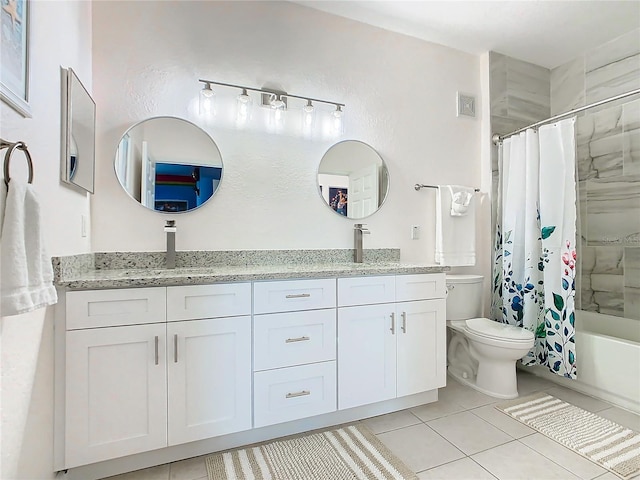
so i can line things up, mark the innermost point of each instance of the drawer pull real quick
(393, 324)
(299, 339)
(303, 393)
(404, 322)
(298, 295)
(157, 341)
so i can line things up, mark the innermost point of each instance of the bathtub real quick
(608, 356)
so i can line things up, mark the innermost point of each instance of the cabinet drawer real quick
(366, 290)
(292, 295)
(108, 308)
(294, 338)
(420, 287)
(208, 301)
(290, 393)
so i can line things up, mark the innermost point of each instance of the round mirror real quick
(353, 179)
(168, 164)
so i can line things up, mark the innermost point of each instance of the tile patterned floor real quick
(462, 436)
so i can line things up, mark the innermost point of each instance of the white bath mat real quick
(602, 441)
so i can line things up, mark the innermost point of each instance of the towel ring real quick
(7, 159)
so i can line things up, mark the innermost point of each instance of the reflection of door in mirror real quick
(363, 191)
(359, 173)
(148, 186)
(168, 164)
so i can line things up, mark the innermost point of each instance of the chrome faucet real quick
(170, 230)
(358, 230)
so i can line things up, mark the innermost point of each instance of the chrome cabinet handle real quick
(157, 341)
(298, 295)
(393, 323)
(404, 322)
(298, 394)
(175, 348)
(299, 339)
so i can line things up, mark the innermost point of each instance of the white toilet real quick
(482, 353)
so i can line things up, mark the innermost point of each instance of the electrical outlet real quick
(415, 232)
(83, 225)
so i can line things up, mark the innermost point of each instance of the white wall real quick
(60, 36)
(400, 96)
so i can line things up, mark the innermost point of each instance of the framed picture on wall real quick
(338, 199)
(14, 55)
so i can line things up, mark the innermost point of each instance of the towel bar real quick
(11, 146)
(418, 186)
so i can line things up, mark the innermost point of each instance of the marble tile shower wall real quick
(520, 96)
(608, 157)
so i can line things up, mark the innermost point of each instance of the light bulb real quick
(277, 114)
(277, 108)
(308, 113)
(277, 103)
(308, 110)
(337, 120)
(207, 100)
(243, 105)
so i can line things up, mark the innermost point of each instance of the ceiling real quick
(546, 33)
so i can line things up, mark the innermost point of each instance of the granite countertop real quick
(151, 277)
(120, 270)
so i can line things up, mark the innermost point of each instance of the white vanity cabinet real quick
(115, 378)
(208, 361)
(156, 374)
(116, 392)
(295, 351)
(183, 374)
(392, 349)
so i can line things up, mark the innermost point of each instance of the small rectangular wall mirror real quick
(78, 132)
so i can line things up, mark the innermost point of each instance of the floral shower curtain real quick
(535, 251)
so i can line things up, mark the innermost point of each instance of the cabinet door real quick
(209, 370)
(366, 354)
(115, 392)
(421, 346)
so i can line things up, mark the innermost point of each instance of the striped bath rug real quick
(602, 441)
(347, 453)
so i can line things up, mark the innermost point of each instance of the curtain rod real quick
(497, 138)
(418, 186)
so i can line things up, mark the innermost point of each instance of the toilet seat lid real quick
(490, 328)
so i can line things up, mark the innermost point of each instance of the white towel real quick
(460, 200)
(455, 226)
(26, 274)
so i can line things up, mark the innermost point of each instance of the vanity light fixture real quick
(278, 101)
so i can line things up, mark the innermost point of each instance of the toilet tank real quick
(464, 296)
